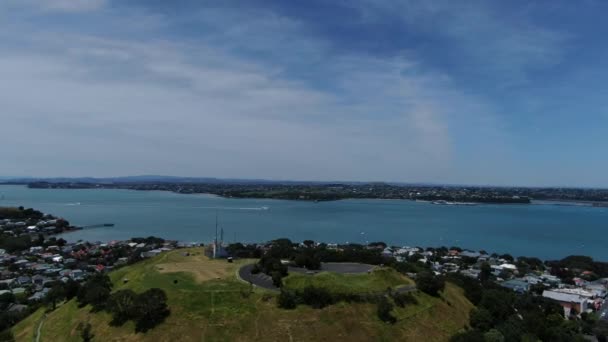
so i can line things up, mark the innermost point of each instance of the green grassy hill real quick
(377, 281)
(209, 303)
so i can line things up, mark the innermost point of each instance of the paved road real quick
(261, 280)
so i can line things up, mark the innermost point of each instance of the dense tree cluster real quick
(501, 315)
(429, 283)
(574, 265)
(146, 309)
(20, 213)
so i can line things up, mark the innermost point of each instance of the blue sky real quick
(475, 92)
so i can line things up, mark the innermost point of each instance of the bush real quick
(287, 300)
(401, 299)
(85, 331)
(384, 311)
(429, 283)
(317, 297)
(277, 279)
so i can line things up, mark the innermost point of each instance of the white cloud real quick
(485, 40)
(78, 104)
(62, 5)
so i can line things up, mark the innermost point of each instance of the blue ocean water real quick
(542, 230)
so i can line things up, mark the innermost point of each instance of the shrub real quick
(317, 297)
(429, 283)
(287, 300)
(401, 299)
(384, 311)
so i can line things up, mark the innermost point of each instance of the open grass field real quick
(376, 281)
(205, 308)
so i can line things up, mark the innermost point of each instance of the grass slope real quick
(208, 303)
(377, 281)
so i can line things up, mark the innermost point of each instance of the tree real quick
(277, 280)
(601, 331)
(56, 293)
(6, 299)
(95, 291)
(499, 303)
(486, 272)
(429, 283)
(7, 336)
(71, 289)
(309, 243)
(493, 336)
(97, 296)
(123, 307)
(384, 310)
(481, 319)
(152, 309)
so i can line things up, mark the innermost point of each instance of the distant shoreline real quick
(456, 202)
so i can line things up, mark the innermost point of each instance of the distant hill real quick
(156, 179)
(208, 303)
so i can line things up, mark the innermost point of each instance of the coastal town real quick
(39, 265)
(311, 191)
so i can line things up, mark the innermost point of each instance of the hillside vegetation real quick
(209, 303)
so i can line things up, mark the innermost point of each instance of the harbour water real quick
(543, 230)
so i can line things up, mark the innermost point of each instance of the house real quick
(77, 274)
(471, 273)
(150, 253)
(532, 279)
(469, 254)
(332, 246)
(598, 289)
(38, 279)
(8, 282)
(40, 295)
(35, 249)
(24, 280)
(387, 252)
(16, 308)
(517, 285)
(569, 301)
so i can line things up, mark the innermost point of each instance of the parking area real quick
(264, 281)
(337, 267)
(261, 280)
